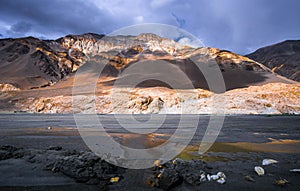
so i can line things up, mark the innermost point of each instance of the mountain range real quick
(32, 69)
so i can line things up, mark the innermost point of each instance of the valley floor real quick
(36, 140)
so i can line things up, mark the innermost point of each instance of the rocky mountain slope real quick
(283, 58)
(29, 63)
(32, 63)
(38, 76)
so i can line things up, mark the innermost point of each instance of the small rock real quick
(221, 175)
(295, 170)
(114, 179)
(177, 160)
(268, 161)
(190, 171)
(49, 128)
(281, 182)
(169, 178)
(214, 177)
(249, 178)
(192, 178)
(221, 181)
(159, 175)
(202, 177)
(208, 177)
(83, 175)
(259, 170)
(157, 163)
(55, 148)
(151, 181)
(55, 169)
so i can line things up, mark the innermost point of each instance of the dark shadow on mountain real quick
(233, 78)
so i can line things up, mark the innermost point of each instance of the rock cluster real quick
(175, 172)
(8, 87)
(84, 167)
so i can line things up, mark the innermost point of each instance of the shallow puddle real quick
(236, 149)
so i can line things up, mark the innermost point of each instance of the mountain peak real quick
(283, 58)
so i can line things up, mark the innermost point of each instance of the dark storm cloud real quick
(56, 17)
(240, 26)
(20, 27)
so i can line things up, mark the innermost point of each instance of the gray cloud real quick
(56, 18)
(240, 26)
(20, 27)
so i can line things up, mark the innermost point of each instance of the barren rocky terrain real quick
(273, 98)
(38, 76)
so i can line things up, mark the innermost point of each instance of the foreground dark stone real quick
(86, 167)
(89, 170)
(173, 173)
(8, 151)
(169, 178)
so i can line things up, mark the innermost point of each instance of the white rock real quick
(214, 177)
(208, 177)
(269, 161)
(202, 177)
(221, 181)
(259, 170)
(221, 175)
(295, 170)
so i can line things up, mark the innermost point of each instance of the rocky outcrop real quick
(84, 167)
(31, 63)
(274, 98)
(94, 44)
(283, 58)
(8, 88)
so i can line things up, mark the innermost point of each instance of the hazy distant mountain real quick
(29, 63)
(283, 58)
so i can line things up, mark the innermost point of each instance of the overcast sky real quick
(237, 25)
